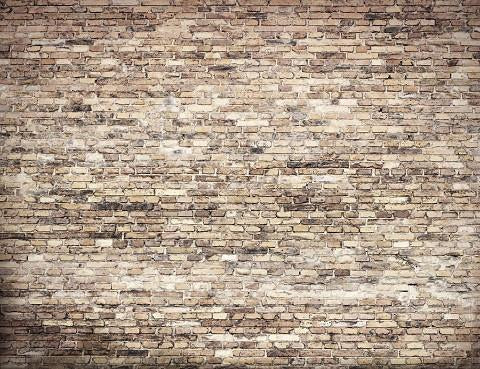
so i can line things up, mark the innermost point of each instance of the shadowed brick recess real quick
(239, 184)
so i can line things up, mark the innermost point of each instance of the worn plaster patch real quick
(23, 184)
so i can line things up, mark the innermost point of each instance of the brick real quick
(239, 184)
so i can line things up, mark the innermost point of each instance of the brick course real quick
(240, 184)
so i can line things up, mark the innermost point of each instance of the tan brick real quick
(239, 183)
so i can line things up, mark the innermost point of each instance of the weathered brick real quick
(239, 184)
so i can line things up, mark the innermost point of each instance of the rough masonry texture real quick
(240, 184)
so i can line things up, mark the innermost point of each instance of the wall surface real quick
(240, 184)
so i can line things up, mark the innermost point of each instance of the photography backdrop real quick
(240, 184)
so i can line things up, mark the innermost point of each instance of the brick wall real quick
(240, 184)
